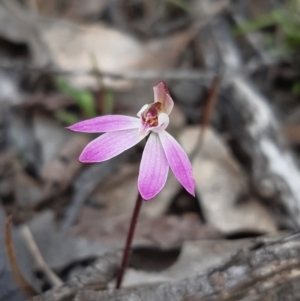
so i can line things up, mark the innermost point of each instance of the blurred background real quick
(232, 68)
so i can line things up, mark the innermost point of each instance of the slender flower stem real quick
(129, 238)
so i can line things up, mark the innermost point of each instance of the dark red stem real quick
(130, 234)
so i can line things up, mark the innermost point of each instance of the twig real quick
(146, 74)
(208, 110)
(101, 96)
(21, 281)
(130, 75)
(38, 258)
(95, 277)
(210, 105)
(267, 270)
(97, 71)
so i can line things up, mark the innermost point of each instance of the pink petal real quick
(154, 168)
(179, 162)
(161, 94)
(144, 129)
(108, 123)
(109, 145)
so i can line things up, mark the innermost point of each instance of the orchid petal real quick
(110, 145)
(139, 114)
(107, 123)
(154, 168)
(144, 129)
(163, 122)
(179, 162)
(161, 94)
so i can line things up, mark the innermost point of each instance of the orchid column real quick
(161, 151)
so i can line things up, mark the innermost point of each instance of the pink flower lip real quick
(161, 151)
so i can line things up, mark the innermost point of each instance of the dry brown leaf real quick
(59, 172)
(27, 190)
(114, 51)
(164, 232)
(50, 135)
(223, 187)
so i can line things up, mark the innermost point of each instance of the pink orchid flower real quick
(161, 150)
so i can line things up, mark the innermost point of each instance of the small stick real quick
(38, 258)
(211, 102)
(208, 110)
(20, 280)
(130, 234)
